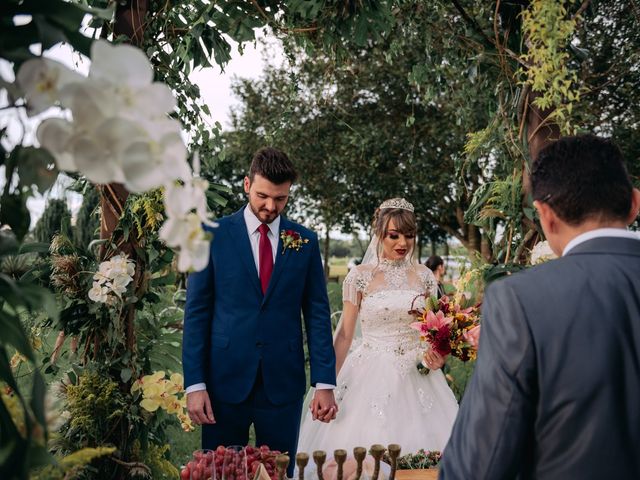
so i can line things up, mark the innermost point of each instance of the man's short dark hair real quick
(274, 165)
(433, 262)
(582, 177)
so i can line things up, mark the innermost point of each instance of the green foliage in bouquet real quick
(72, 465)
(156, 458)
(421, 459)
(96, 407)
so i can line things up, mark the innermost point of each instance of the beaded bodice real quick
(384, 294)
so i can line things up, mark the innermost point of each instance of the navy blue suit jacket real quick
(231, 328)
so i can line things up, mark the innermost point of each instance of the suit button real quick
(258, 344)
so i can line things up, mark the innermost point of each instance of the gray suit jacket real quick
(556, 389)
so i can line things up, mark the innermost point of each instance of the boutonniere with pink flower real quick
(292, 239)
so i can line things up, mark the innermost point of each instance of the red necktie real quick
(265, 255)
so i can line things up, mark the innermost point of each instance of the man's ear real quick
(247, 184)
(548, 219)
(634, 211)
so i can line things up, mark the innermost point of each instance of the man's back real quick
(583, 312)
(556, 394)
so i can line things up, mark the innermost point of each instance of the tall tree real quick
(55, 219)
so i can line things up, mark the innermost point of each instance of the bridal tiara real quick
(397, 203)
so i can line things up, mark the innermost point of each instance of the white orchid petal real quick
(41, 80)
(200, 255)
(54, 134)
(141, 169)
(172, 232)
(93, 162)
(157, 99)
(178, 200)
(120, 64)
(90, 103)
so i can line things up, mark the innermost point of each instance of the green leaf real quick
(14, 212)
(34, 247)
(38, 456)
(125, 374)
(13, 334)
(8, 243)
(49, 34)
(6, 374)
(101, 13)
(39, 298)
(38, 393)
(36, 166)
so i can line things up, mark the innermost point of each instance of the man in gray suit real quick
(556, 389)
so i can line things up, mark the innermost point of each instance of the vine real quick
(548, 31)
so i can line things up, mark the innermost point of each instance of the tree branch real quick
(471, 21)
(582, 8)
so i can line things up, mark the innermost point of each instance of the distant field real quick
(338, 270)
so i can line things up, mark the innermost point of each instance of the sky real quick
(215, 88)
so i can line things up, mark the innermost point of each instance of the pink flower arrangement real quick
(448, 328)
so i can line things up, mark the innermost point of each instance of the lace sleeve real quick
(352, 285)
(428, 281)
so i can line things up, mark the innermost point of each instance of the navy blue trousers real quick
(276, 426)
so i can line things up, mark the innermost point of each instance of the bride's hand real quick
(433, 360)
(323, 406)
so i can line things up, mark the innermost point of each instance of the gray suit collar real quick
(607, 245)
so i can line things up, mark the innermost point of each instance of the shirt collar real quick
(597, 233)
(254, 222)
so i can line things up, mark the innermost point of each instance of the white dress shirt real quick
(253, 223)
(598, 233)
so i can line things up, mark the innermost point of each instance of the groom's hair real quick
(582, 177)
(274, 165)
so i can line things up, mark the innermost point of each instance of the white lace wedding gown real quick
(382, 398)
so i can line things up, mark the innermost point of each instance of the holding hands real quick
(323, 406)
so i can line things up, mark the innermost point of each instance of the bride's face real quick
(395, 245)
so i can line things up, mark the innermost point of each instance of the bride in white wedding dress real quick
(381, 396)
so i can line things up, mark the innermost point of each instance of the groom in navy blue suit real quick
(243, 355)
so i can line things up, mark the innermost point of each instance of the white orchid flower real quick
(120, 64)
(99, 293)
(104, 270)
(121, 265)
(180, 200)
(187, 234)
(54, 134)
(194, 259)
(194, 252)
(151, 162)
(100, 154)
(129, 74)
(41, 80)
(541, 253)
(119, 285)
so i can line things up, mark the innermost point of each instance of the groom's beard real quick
(264, 215)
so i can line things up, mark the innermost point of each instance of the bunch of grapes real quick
(200, 468)
(223, 464)
(264, 456)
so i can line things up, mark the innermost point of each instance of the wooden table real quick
(417, 474)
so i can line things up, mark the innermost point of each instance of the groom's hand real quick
(199, 407)
(323, 406)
